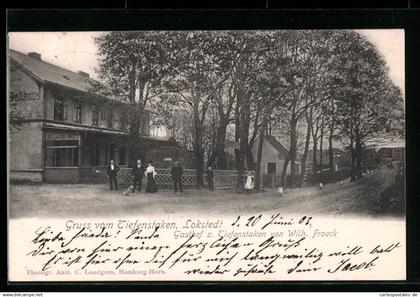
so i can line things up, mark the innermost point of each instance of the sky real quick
(77, 51)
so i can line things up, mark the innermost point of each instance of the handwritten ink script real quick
(255, 247)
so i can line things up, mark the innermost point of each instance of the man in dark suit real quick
(138, 172)
(112, 175)
(177, 172)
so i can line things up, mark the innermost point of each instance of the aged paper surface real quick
(272, 247)
(206, 155)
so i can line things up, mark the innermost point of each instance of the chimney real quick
(35, 55)
(84, 74)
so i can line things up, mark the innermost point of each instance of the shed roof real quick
(276, 144)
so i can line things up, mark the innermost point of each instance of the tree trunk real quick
(199, 159)
(330, 137)
(315, 157)
(238, 153)
(221, 162)
(134, 134)
(359, 156)
(331, 151)
(249, 157)
(198, 146)
(353, 161)
(136, 146)
(284, 172)
(259, 156)
(246, 148)
(321, 152)
(218, 158)
(292, 151)
(321, 157)
(305, 152)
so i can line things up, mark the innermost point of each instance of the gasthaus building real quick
(66, 129)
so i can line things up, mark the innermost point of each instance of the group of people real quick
(139, 172)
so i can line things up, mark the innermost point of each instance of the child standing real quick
(249, 183)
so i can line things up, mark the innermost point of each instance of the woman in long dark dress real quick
(150, 174)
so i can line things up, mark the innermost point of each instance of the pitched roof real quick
(47, 72)
(276, 144)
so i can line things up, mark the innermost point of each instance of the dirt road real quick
(80, 200)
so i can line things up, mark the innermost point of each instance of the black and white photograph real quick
(206, 155)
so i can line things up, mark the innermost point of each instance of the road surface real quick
(81, 200)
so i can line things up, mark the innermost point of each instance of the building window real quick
(271, 168)
(110, 119)
(62, 153)
(95, 115)
(77, 112)
(103, 115)
(60, 110)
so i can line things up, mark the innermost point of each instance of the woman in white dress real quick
(249, 182)
(150, 174)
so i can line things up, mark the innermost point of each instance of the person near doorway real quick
(112, 172)
(150, 174)
(177, 171)
(138, 173)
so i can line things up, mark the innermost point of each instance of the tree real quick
(132, 66)
(366, 97)
(199, 74)
(276, 81)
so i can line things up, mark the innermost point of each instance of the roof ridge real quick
(51, 64)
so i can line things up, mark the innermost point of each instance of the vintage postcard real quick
(206, 155)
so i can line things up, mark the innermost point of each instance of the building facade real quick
(64, 126)
(273, 156)
(391, 154)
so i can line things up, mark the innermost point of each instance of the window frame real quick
(110, 119)
(63, 106)
(95, 111)
(77, 106)
(61, 150)
(103, 115)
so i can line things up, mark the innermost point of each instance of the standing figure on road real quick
(138, 173)
(112, 171)
(150, 174)
(210, 178)
(249, 183)
(177, 172)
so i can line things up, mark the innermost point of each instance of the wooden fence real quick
(222, 178)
